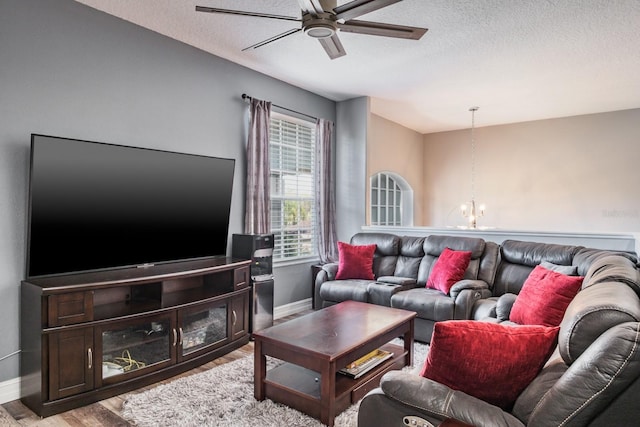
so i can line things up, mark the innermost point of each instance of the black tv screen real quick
(96, 206)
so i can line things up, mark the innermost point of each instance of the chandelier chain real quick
(473, 152)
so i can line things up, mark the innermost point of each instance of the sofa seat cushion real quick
(345, 290)
(427, 303)
(484, 308)
(381, 291)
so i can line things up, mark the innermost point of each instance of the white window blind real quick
(292, 157)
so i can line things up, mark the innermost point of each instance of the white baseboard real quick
(9, 390)
(291, 308)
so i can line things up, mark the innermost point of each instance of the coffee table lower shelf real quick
(299, 387)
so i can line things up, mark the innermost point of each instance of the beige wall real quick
(394, 148)
(570, 174)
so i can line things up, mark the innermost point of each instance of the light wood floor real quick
(106, 413)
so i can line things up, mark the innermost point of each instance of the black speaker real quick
(256, 247)
(259, 249)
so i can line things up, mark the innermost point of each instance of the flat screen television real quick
(96, 206)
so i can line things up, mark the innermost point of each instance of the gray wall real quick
(352, 130)
(69, 70)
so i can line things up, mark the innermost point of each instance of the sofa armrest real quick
(331, 269)
(402, 394)
(397, 280)
(466, 293)
(504, 306)
(327, 272)
(474, 285)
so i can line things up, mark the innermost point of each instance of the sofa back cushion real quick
(597, 349)
(489, 263)
(385, 257)
(594, 310)
(411, 253)
(517, 260)
(579, 394)
(585, 258)
(435, 245)
(611, 267)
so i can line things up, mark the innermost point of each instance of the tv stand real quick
(86, 337)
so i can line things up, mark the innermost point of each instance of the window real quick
(292, 156)
(391, 200)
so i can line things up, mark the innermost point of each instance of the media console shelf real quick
(86, 337)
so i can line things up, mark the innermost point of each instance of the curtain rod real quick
(249, 98)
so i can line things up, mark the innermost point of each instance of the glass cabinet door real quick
(135, 346)
(202, 327)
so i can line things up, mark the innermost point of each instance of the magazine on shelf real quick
(366, 363)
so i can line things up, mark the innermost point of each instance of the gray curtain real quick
(257, 219)
(325, 187)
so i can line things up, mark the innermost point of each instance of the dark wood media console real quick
(86, 337)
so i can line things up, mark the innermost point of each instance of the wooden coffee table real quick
(316, 346)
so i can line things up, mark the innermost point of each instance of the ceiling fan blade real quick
(272, 39)
(243, 13)
(311, 6)
(360, 7)
(380, 29)
(333, 46)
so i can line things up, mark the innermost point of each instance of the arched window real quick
(391, 200)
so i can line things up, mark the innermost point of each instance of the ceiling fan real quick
(322, 19)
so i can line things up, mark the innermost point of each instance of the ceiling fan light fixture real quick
(319, 27)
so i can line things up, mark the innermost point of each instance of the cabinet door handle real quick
(90, 357)
(234, 316)
(175, 337)
(180, 335)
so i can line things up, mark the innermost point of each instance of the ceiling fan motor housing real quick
(321, 26)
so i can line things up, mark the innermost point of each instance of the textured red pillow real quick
(544, 297)
(490, 361)
(355, 261)
(448, 269)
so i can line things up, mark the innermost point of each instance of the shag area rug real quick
(223, 397)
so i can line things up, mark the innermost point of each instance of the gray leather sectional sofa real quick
(402, 265)
(592, 378)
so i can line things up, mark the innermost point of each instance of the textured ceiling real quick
(518, 60)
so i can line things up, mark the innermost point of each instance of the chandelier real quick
(470, 210)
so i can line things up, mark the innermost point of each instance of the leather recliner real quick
(432, 305)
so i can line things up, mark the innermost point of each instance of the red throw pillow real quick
(448, 269)
(355, 261)
(544, 297)
(490, 361)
